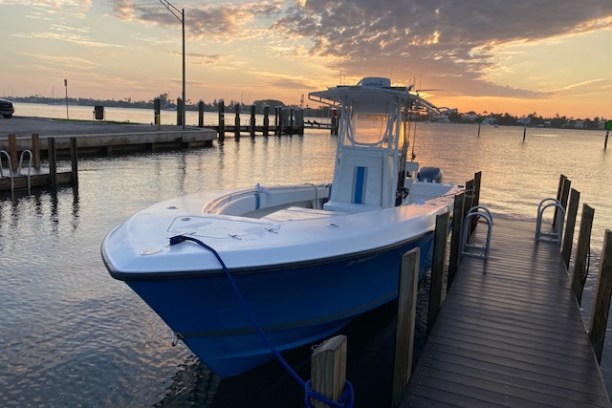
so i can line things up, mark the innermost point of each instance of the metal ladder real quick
(4, 153)
(477, 251)
(557, 232)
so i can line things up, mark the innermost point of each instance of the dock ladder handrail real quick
(20, 168)
(557, 233)
(10, 166)
(468, 249)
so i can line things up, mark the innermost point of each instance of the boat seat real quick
(362, 181)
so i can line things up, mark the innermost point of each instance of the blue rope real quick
(347, 398)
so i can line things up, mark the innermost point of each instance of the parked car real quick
(6, 108)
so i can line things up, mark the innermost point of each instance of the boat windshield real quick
(371, 129)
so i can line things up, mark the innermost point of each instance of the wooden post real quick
(201, 113)
(179, 112)
(406, 318)
(601, 305)
(12, 147)
(266, 120)
(51, 152)
(562, 181)
(582, 251)
(328, 370)
(437, 269)
(606, 142)
(475, 199)
(237, 122)
(469, 197)
(477, 180)
(74, 161)
(455, 250)
(252, 121)
(291, 120)
(221, 121)
(568, 239)
(564, 196)
(524, 133)
(36, 151)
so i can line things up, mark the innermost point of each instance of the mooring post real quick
(475, 199)
(455, 250)
(568, 239)
(524, 133)
(36, 151)
(157, 112)
(601, 305)
(201, 113)
(406, 319)
(74, 162)
(12, 147)
(291, 120)
(237, 122)
(562, 179)
(180, 119)
(221, 127)
(277, 120)
(469, 196)
(582, 251)
(266, 120)
(51, 152)
(606, 141)
(252, 121)
(328, 370)
(437, 269)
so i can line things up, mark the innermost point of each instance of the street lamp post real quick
(180, 15)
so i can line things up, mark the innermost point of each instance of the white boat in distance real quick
(305, 259)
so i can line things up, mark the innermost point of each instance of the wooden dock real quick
(509, 334)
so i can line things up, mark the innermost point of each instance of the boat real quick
(302, 260)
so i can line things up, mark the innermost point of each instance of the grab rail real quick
(557, 232)
(473, 250)
(10, 166)
(20, 168)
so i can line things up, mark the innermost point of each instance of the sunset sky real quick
(517, 56)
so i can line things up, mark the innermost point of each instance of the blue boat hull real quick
(296, 304)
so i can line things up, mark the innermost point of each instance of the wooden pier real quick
(509, 334)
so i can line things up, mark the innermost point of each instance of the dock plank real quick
(509, 334)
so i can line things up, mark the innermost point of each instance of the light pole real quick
(180, 15)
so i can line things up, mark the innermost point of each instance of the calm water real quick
(70, 335)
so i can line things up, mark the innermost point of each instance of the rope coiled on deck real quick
(347, 399)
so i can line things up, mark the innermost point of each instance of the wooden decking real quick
(509, 334)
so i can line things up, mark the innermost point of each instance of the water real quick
(70, 335)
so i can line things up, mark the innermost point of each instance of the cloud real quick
(449, 42)
(221, 22)
(76, 8)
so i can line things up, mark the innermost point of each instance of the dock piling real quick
(221, 121)
(237, 122)
(568, 239)
(252, 121)
(455, 252)
(437, 269)
(74, 161)
(406, 319)
(36, 151)
(12, 150)
(52, 153)
(328, 369)
(582, 252)
(266, 120)
(601, 305)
